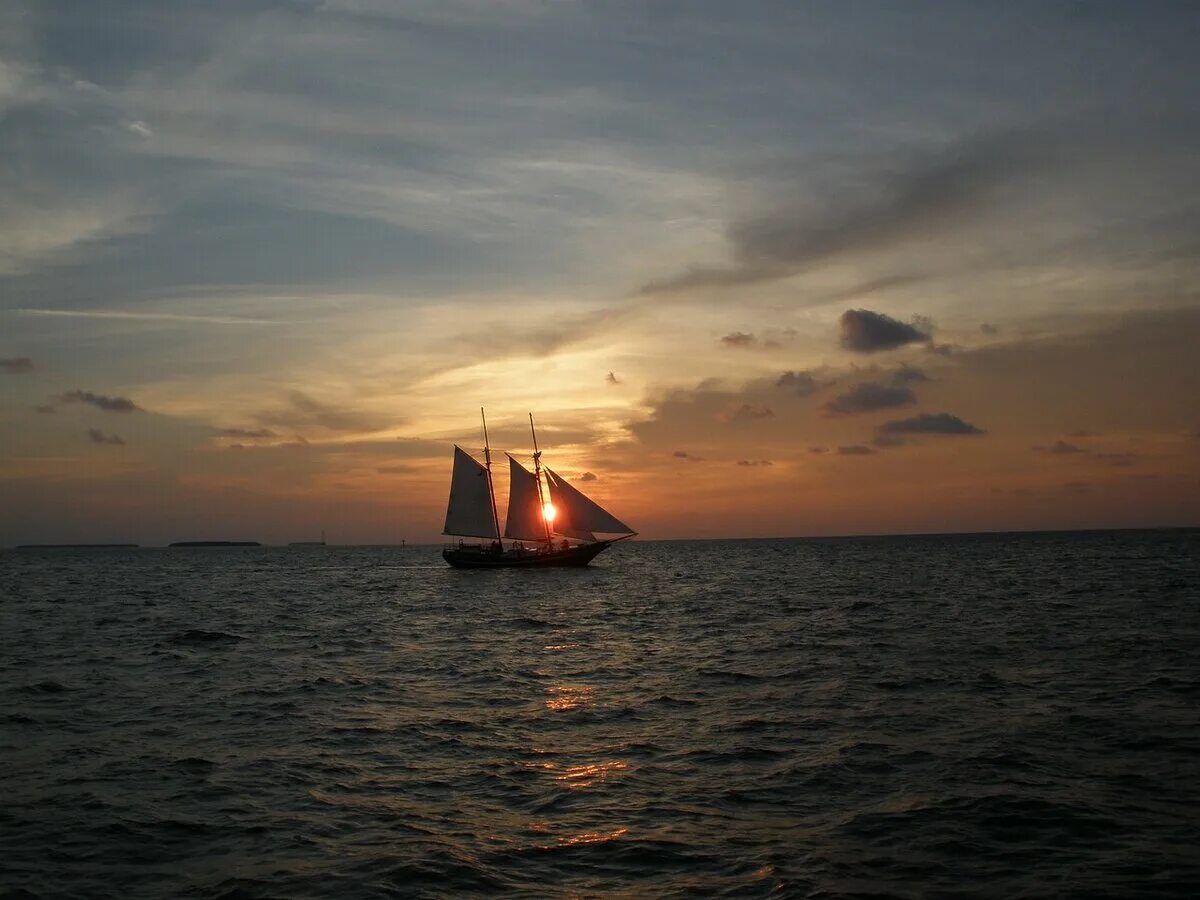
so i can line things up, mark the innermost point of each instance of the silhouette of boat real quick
(554, 525)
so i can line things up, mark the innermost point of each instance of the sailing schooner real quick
(555, 525)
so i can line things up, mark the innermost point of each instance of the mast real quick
(537, 475)
(487, 455)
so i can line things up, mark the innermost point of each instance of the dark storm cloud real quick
(926, 198)
(739, 339)
(867, 397)
(864, 331)
(930, 423)
(16, 365)
(96, 436)
(100, 401)
(854, 450)
(803, 383)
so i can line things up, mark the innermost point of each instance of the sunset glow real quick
(549, 512)
(257, 300)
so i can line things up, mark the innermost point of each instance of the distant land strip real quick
(72, 546)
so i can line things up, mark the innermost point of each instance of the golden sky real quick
(785, 270)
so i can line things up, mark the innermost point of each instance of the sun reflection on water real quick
(570, 696)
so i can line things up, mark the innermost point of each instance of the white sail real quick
(469, 511)
(582, 514)
(525, 522)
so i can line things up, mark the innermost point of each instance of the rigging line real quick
(487, 455)
(537, 474)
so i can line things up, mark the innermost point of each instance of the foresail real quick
(469, 512)
(583, 514)
(524, 521)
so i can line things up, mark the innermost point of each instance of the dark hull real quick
(475, 558)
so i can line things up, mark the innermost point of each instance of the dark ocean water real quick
(1003, 716)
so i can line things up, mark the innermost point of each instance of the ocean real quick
(1010, 715)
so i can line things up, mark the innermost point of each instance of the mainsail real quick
(469, 511)
(525, 522)
(577, 516)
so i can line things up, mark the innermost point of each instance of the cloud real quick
(126, 315)
(754, 462)
(854, 450)
(246, 432)
(748, 412)
(100, 401)
(867, 397)
(907, 374)
(17, 365)
(818, 450)
(930, 423)
(929, 197)
(864, 331)
(1061, 448)
(887, 440)
(611, 378)
(989, 329)
(96, 436)
(739, 339)
(587, 476)
(304, 413)
(683, 454)
(803, 383)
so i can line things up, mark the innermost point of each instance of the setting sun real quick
(549, 512)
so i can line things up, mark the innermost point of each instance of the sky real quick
(757, 269)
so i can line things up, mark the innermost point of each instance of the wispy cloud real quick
(246, 432)
(100, 401)
(930, 195)
(803, 383)
(1061, 448)
(96, 436)
(868, 397)
(930, 423)
(739, 339)
(304, 413)
(141, 316)
(18, 365)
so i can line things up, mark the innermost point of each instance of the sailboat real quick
(550, 525)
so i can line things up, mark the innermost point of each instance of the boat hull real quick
(483, 558)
